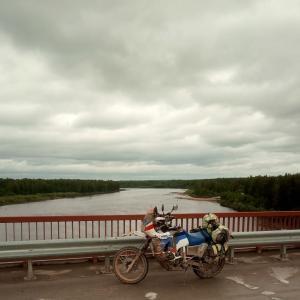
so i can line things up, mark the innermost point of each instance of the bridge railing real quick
(21, 228)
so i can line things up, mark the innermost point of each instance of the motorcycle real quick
(202, 249)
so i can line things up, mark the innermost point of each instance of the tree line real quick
(253, 193)
(172, 184)
(10, 187)
(243, 194)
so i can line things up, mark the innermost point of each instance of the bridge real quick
(80, 230)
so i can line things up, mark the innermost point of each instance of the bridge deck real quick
(253, 277)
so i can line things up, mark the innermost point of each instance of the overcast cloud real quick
(149, 89)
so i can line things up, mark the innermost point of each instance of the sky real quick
(149, 89)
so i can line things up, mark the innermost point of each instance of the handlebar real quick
(164, 220)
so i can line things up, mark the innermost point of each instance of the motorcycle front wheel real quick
(209, 269)
(129, 265)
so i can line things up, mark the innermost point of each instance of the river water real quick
(129, 201)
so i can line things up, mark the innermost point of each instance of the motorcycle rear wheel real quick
(123, 260)
(209, 270)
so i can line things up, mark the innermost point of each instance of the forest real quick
(253, 193)
(27, 190)
(242, 194)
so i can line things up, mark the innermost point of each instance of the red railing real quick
(100, 226)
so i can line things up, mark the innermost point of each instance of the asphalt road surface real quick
(253, 276)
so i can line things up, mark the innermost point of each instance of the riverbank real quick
(187, 196)
(19, 199)
(235, 201)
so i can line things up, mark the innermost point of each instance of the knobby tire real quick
(211, 273)
(122, 261)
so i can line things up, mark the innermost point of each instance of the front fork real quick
(141, 252)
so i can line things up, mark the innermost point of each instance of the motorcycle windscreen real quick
(181, 240)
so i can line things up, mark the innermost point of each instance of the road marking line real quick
(151, 296)
(241, 281)
(282, 274)
(267, 293)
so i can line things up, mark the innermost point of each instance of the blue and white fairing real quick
(183, 239)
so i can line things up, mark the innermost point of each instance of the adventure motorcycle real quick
(203, 249)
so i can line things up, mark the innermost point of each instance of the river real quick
(129, 201)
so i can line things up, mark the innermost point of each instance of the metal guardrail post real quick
(231, 255)
(107, 264)
(30, 274)
(283, 254)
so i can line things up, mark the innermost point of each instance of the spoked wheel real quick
(130, 266)
(210, 268)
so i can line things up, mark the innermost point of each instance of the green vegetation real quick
(13, 191)
(253, 193)
(242, 194)
(172, 184)
(16, 199)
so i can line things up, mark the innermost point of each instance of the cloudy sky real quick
(149, 89)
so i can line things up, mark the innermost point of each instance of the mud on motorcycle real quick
(203, 249)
